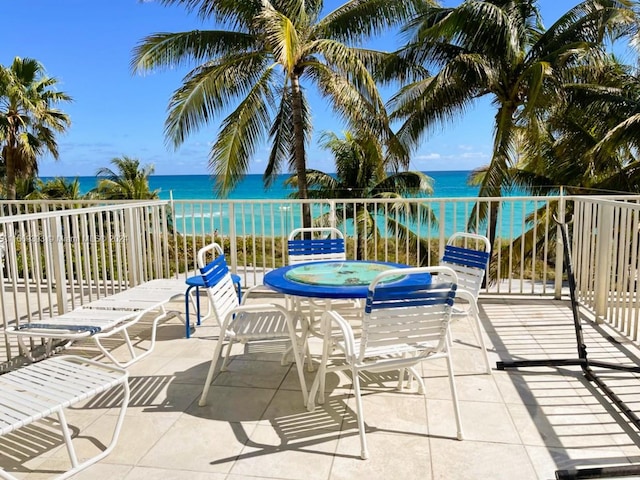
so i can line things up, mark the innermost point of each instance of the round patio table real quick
(330, 279)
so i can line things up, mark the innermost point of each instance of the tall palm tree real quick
(129, 181)
(501, 49)
(361, 164)
(258, 68)
(586, 144)
(29, 120)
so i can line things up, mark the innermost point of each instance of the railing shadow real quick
(575, 421)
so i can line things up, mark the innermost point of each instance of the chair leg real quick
(212, 371)
(400, 386)
(478, 329)
(454, 395)
(299, 361)
(415, 374)
(364, 452)
(225, 361)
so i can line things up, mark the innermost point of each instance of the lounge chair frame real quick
(47, 388)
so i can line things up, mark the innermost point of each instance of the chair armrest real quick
(329, 318)
(463, 294)
(257, 289)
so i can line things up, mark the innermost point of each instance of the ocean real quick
(199, 187)
(198, 217)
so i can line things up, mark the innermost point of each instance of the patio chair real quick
(104, 318)
(244, 323)
(401, 327)
(330, 246)
(212, 250)
(470, 265)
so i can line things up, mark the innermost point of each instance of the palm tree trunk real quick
(10, 171)
(299, 150)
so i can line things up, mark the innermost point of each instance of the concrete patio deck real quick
(519, 424)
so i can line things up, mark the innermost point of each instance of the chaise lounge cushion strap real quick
(52, 326)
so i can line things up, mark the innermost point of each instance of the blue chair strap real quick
(214, 271)
(465, 256)
(316, 246)
(52, 326)
(418, 295)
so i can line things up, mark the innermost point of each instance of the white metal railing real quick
(254, 233)
(99, 249)
(55, 260)
(606, 254)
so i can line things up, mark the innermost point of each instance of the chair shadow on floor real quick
(294, 427)
(34, 441)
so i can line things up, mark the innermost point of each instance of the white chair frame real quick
(242, 322)
(396, 335)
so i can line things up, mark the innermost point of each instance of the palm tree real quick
(499, 48)
(258, 68)
(587, 144)
(129, 181)
(361, 164)
(58, 188)
(29, 120)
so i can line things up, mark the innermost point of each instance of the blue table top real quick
(328, 279)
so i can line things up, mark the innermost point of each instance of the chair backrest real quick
(220, 288)
(470, 264)
(213, 249)
(402, 311)
(329, 246)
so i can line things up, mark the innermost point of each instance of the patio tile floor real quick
(519, 424)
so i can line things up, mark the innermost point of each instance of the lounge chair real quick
(104, 318)
(47, 388)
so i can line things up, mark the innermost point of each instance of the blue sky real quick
(87, 45)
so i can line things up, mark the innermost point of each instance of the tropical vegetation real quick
(260, 67)
(129, 180)
(58, 188)
(361, 163)
(500, 48)
(29, 120)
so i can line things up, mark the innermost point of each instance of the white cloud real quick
(428, 156)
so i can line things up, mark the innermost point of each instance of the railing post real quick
(602, 271)
(233, 242)
(441, 228)
(332, 213)
(133, 250)
(57, 257)
(559, 248)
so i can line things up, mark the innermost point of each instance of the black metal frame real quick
(583, 361)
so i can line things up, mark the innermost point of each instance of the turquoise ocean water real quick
(198, 187)
(204, 218)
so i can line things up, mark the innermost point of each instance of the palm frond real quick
(241, 133)
(210, 88)
(171, 50)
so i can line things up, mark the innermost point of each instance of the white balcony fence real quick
(59, 255)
